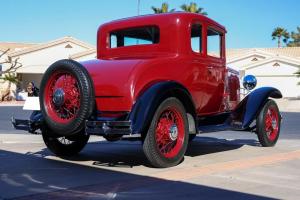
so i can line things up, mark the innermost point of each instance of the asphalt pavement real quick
(227, 165)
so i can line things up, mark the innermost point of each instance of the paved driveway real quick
(227, 165)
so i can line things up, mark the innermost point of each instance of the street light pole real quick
(138, 8)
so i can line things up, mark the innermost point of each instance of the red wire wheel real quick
(66, 97)
(268, 124)
(271, 123)
(166, 140)
(62, 97)
(170, 132)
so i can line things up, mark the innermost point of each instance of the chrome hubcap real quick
(274, 123)
(173, 132)
(59, 97)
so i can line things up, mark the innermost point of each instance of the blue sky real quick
(249, 22)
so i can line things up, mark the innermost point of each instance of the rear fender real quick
(249, 108)
(144, 109)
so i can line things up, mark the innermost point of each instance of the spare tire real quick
(66, 97)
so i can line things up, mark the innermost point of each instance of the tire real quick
(170, 117)
(268, 124)
(65, 146)
(66, 97)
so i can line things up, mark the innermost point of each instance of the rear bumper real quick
(108, 128)
(26, 125)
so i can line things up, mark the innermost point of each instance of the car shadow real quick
(125, 154)
(202, 145)
(24, 177)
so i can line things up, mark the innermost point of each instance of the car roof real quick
(163, 18)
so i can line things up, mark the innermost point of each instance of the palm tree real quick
(295, 39)
(193, 8)
(280, 33)
(164, 9)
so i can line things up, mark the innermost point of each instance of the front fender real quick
(144, 109)
(249, 108)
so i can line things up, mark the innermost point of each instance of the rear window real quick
(134, 36)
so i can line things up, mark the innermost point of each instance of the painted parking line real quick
(192, 172)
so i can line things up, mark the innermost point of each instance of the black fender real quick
(147, 103)
(249, 108)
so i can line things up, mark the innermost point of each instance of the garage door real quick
(286, 84)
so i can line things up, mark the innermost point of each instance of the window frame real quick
(221, 41)
(202, 38)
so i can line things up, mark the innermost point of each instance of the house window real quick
(196, 38)
(276, 64)
(68, 46)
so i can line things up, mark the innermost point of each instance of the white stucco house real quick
(272, 66)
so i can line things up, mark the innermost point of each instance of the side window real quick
(196, 38)
(214, 39)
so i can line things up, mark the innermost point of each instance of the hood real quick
(111, 78)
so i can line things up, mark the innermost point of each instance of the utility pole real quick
(138, 8)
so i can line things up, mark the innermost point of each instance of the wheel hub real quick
(173, 132)
(59, 97)
(274, 124)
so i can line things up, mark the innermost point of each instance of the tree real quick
(9, 74)
(280, 34)
(296, 39)
(193, 8)
(164, 9)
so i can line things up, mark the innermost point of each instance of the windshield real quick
(134, 36)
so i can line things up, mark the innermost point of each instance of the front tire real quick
(65, 146)
(167, 138)
(268, 124)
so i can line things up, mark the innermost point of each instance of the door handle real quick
(210, 67)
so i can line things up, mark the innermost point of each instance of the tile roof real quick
(284, 51)
(15, 46)
(52, 43)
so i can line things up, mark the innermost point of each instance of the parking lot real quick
(227, 165)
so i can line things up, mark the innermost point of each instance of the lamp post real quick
(138, 8)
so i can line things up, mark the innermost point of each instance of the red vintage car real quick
(162, 77)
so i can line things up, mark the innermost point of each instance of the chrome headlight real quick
(249, 82)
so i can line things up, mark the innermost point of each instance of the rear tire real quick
(268, 124)
(65, 146)
(167, 138)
